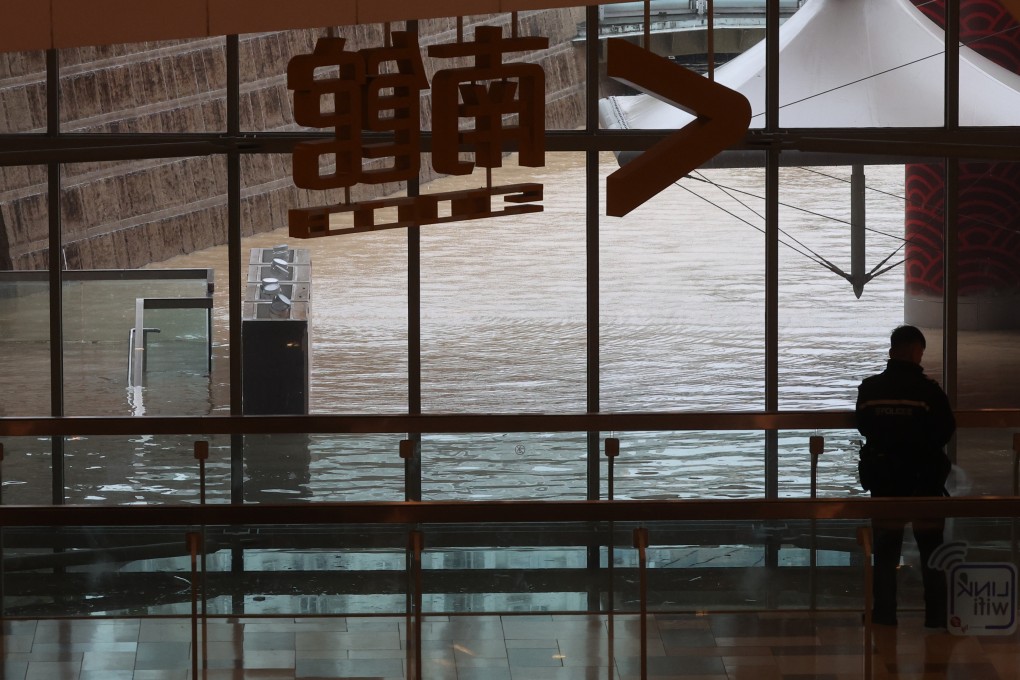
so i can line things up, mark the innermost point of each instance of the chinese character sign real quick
(517, 89)
(365, 97)
(309, 95)
(392, 103)
(378, 91)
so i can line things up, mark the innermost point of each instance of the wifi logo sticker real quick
(948, 555)
(982, 595)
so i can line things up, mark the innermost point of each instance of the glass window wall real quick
(682, 296)
(24, 312)
(503, 306)
(138, 333)
(514, 315)
(841, 282)
(761, 286)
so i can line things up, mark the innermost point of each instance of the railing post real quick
(1016, 492)
(202, 455)
(3, 576)
(641, 543)
(612, 452)
(816, 445)
(864, 539)
(193, 540)
(415, 545)
(1016, 463)
(409, 450)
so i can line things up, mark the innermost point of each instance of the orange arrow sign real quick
(721, 119)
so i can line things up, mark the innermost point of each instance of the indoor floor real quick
(716, 646)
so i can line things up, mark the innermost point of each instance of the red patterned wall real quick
(989, 197)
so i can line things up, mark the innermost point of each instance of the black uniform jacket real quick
(907, 421)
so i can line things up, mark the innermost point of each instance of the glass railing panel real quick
(100, 306)
(821, 562)
(242, 571)
(689, 464)
(515, 568)
(504, 466)
(704, 567)
(101, 313)
(310, 570)
(695, 566)
(144, 469)
(980, 560)
(173, 375)
(986, 463)
(96, 571)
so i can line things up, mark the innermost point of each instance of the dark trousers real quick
(888, 544)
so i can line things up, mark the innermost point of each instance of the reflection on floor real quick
(718, 646)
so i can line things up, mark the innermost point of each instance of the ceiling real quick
(34, 25)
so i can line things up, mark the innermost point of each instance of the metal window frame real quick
(782, 146)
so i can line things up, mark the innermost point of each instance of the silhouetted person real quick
(907, 420)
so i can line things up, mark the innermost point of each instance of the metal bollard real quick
(1016, 492)
(612, 452)
(3, 576)
(415, 546)
(1016, 463)
(641, 543)
(410, 452)
(406, 449)
(201, 455)
(193, 540)
(816, 445)
(864, 538)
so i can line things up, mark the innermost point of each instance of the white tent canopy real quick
(849, 63)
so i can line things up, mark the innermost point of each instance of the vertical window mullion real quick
(56, 278)
(234, 262)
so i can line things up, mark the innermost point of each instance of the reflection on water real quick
(503, 330)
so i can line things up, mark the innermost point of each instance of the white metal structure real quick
(850, 63)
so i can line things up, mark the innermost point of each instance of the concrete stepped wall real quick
(127, 214)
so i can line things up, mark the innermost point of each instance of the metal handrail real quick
(138, 338)
(506, 512)
(465, 423)
(41, 276)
